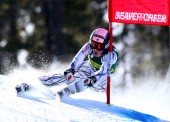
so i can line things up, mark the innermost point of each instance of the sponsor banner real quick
(152, 12)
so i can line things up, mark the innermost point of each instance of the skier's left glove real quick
(69, 73)
(90, 81)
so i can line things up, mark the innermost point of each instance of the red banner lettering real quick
(151, 12)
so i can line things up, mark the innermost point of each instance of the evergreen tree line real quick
(48, 28)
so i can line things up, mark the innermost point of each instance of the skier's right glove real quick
(69, 73)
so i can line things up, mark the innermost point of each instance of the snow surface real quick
(141, 103)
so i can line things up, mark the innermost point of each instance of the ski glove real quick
(90, 81)
(69, 73)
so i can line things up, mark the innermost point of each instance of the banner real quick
(151, 12)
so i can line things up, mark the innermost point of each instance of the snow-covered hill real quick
(79, 108)
(88, 106)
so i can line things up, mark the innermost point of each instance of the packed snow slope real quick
(39, 104)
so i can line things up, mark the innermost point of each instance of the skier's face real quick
(97, 53)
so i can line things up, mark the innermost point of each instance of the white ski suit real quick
(94, 66)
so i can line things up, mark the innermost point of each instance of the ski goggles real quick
(97, 46)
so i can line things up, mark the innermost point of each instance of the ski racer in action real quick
(82, 73)
(88, 73)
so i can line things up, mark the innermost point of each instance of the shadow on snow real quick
(115, 110)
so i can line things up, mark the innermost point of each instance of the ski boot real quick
(22, 87)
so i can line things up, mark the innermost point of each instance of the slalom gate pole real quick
(108, 66)
(169, 42)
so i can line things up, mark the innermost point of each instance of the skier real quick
(92, 72)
